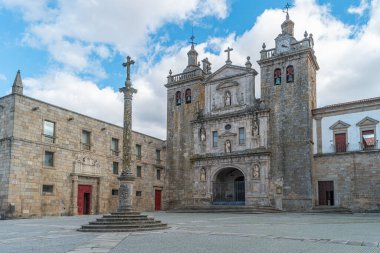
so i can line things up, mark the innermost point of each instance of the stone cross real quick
(128, 66)
(228, 50)
(287, 6)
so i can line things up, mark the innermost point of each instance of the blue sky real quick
(70, 52)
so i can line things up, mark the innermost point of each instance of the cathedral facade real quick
(227, 147)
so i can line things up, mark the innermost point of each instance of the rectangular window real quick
(115, 192)
(138, 151)
(158, 155)
(214, 138)
(49, 159)
(138, 171)
(86, 140)
(138, 193)
(368, 139)
(115, 168)
(158, 174)
(115, 147)
(340, 143)
(47, 188)
(241, 135)
(49, 131)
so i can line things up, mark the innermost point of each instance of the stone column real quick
(318, 120)
(126, 178)
(74, 200)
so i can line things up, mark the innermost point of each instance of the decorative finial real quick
(287, 6)
(170, 72)
(228, 50)
(192, 37)
(305, 34)
(128, 64)
(264, 46)
(248, 64)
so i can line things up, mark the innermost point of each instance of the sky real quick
(70, 52)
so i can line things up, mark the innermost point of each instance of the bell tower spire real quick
(288, 25)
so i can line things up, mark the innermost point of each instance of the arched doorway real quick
(229, 187)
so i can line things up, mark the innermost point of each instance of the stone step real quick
(122, 230)
(125, 222)
(124, 216)
(330, 209)
(226, 209)
(111, 219)
(122, 226)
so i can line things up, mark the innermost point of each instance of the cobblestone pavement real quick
(286, 232)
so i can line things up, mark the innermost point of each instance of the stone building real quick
(224, 145)
(58, 162)
(227, 147)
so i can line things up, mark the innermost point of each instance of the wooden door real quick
(326, 193)
(340, 142)
(157, 200)
(84, 199)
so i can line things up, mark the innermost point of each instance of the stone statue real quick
(255, 128)
(256, 171)
(227, 99)
(203, 175)
(203, 134)
(228, 146)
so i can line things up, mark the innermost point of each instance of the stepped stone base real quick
(330, 209)
(227, 209)
(123, 222)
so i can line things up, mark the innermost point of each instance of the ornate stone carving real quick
(228, 146)
(255, 127)
(227, 99)
(86, 165)
(202, 134)
(256, 171)
(202, 175)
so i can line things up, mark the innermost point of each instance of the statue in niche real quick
(227, 99)
(213, 104)
(228, 146)
(256, 171)
(203, 175)
(202, 134)
(255, 128)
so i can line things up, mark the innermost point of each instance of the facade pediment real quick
(340, 125)
(367, 121)
(228, 71)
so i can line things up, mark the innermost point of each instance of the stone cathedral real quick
(225, 146)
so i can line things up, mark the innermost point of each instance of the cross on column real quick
(128, 66)
(228, 50)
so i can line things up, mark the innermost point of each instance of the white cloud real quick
(3, 77)
(359, 10)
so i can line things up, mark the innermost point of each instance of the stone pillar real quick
(126, 178)
(74, 194)
(318, 120)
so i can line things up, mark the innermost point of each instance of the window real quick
(290, 74)
(49, 131)
(241, 135)
(158, 155)
(47, 188)
(138, 171)
(138, 151)
(188, 96)
(158, 174)
(178, 99)
(277, 76)
(86, 140)
(49, 159)
(214, 138)
(368, 139)
(138, 193)
(115, 147)
(115, 168)
(115, 192)
(340, 142)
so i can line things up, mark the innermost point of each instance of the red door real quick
(157, 200)
(84, 199)
(340, 142)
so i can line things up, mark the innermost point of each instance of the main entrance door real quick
(84, 199)
(326, 193)
(229, 187)
(157, 200)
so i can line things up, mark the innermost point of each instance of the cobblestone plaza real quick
(284, 232)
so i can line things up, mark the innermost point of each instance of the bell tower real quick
(288, 89)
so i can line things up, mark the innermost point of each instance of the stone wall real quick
(356, 177)
(72, 166)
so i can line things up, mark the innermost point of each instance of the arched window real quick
(290, 74)
(188, 96)
(178, 99)
(277, 76)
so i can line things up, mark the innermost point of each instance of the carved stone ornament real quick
(202, 133)
(255, 127)
(86, 165)
(256, 171)
(228, 146)
(203, 175)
